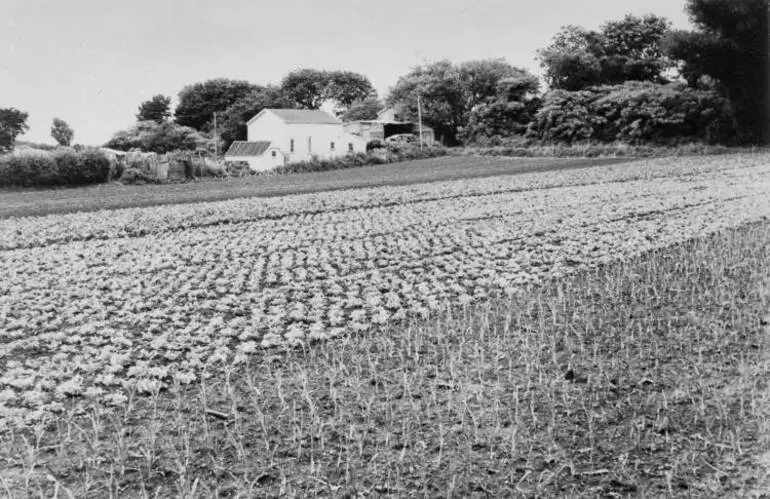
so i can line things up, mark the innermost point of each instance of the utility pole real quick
(216, 138)
(419, 118)
(766, 80)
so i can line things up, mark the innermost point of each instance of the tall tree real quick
(236, 116)
(199, 102)
(633, 49)
(480, 79)
(12, 124)
(157, 109)
(309, 88)
(366, 109)
(729, 49)
(150, 136)
(571, 61)
(508, 113)
(61, 132)
(628, 49)
(347, 87)
(306, 87)
(442, 96)
(448, 92)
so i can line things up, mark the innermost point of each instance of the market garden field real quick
(595, 331)
(26, 202)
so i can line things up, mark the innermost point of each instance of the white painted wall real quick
(267, 126)
(309, 139)
(270, 159)
(322, 141)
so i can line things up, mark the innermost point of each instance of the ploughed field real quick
(99, 308)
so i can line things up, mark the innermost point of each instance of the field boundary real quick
(20, 203)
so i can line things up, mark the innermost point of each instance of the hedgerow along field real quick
(591, 332)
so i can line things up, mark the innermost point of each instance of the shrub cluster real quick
(66, 166)
(595, 150)
(149, 136)
(391, 154)
(635, 113)
(137, 176)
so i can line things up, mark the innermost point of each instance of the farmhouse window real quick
(350, 147)
(332, 146)
(274, 155)
(291, 145)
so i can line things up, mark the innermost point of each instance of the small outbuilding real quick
(387, 124)
(260, 155)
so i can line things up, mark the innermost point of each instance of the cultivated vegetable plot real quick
(103, 305)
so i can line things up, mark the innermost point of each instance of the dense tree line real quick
(633, 80)
(234, 102)
(727, 53)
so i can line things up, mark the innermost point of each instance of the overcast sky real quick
(92, 62)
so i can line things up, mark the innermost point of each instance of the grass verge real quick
(641, 378)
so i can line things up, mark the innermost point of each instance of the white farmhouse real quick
(284, 136)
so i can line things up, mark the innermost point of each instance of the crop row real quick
(25, 232)
(103, 318)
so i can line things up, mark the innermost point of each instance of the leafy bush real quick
(137, 176)
(28, 168)
(565, 117)
(409, 152)
(634, 112)
(37, 168)
(596, 150)
(662, 114)
(149, 136)
(393, 154)
(68, 164)
(506, 115)
(94, 168)
(238, 168)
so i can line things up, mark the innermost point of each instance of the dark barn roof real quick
(244, 148)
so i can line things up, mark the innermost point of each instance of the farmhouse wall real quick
(272, 158)
(302, 141)
(266, 126)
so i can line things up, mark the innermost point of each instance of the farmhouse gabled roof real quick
(314, 116)
(244, 148)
